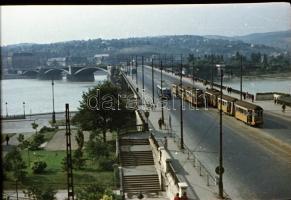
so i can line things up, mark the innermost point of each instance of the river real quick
(37, 94)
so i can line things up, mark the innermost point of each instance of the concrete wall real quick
(161, 157)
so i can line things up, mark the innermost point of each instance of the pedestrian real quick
(244, 95)
(160, 122)
(253, 97)
(230, 90)
(7, 139)
(184, 197)
(177, 197)
(283, 107)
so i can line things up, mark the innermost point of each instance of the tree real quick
(34, 126)
(80, 139)
(13, 162)
(95, 148)
(95, 191)
(40, 192)
(78, 160)
(102, 109)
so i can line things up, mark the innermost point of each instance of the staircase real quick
(139, 173)
(141, 183)
(135, 158)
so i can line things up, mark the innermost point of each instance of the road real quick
(257, 165)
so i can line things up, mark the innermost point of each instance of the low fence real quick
(10, 117)
(203, 171)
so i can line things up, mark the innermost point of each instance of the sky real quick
(48, 24)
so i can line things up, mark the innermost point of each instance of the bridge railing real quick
(202, 169)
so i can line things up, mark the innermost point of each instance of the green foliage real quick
(78, 160)
(102, 110)
(41, 192)
(36, 141)
(80, 139)
(20, 138)
(46, 129)
(105, 164)
(96, 148)
(34, 126)
(39, 167)
(64, 164)
(13, 162)
(95, 191)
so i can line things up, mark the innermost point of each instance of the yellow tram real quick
(249, 113)
(211, 96)
(227, 104)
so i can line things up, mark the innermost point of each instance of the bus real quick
(164, 93)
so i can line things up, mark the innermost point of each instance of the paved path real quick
(197, 185)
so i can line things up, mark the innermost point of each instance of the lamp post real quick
(181, 104)
(220, 169)
(162, 94)
(153, 89)
(6, 109)
(53, 94)
(23, 109)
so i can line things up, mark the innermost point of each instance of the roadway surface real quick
(257, 161)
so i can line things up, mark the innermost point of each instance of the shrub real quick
(39, 167)
(105, 164)
(37, 140)
(46, 129)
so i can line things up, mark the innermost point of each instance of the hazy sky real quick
(46, 24)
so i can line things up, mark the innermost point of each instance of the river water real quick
(37, 94)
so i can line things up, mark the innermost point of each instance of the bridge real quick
(72, 73)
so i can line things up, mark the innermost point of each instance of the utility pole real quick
(153, 82)
(162, 97)
(181, 105)
(172, 64)
(142, 72)
(221, 170)
(241, 63)
(69, 156)
(131, 63)
(53, 94)
(136, 71)
(211, 71)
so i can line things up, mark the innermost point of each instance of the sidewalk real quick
(197, 184)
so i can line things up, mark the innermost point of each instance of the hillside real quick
(179, 44)
(280, 39)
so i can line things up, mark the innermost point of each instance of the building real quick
(99, 58)
(57, 62)
(22, 61)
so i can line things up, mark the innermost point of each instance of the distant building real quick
(23, 61)
(99, 58)
(77, 60)
(57, 62)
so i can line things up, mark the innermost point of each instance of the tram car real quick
(194, 96)
(211, 96)
(249, 113)
(174, 90)
(227, 104)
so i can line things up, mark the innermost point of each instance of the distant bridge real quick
(73, 73)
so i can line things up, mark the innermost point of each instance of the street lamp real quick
(23, 109)
(6, 109)
(162, 100)
(53, 94)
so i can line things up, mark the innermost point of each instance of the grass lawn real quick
(54, 175)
